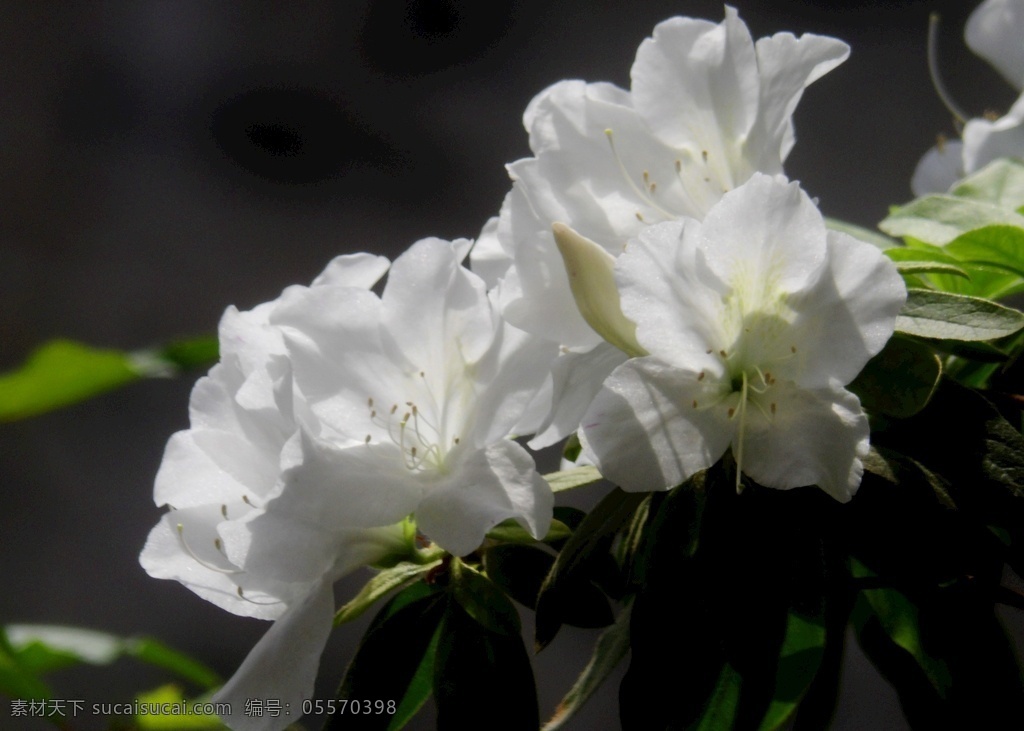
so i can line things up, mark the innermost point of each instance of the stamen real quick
(743, 424)
(205, 564)
(695, 403)
(773, 408)
(933, 70)
(644, 195)
(700, 376)
(241, 595)
(367, 440)
(224, 511)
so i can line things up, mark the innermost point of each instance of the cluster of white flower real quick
(993, 32)
(653, 283)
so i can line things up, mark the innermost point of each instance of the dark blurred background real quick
(162, 160)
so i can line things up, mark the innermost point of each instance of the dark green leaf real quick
(801, 656)
(484, 601)
(420, 688)
(947, 316)
(391, 652)
(201, 352)
(509, 531)
(899, 380)
(589, 543)
(482, 678)
(520, 572)
(611, 647)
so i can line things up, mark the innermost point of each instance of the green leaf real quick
(575, 477)
(946, 316)
(859, 232)
(481, 675)
(720, 710)
(61, 373)
(44, 648)
(182, 716)
(924, 261)
(998, 248)
(1000, 183)
(938, 219)
(420, 688)
(379, 586)
(17, 680)
(611, 647)
(898, 616)
(388, 661)
(899, 380)
(520, 571)
(591, 540)
(64, 372)
(509, 531)
(156, 653)
(802, 652)
(484, 601)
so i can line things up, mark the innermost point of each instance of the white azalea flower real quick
(993, 31)
(708, 107)
(754, 319)
(245, 418)
(354, 411)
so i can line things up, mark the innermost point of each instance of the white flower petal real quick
(576, 380)
(489, 486)
(814, 437)
(653, 425)
(428, 291)
(696, 85)
(763, 239)
(940, 167)
(668, 291)
(848, 317)
(994, 32)
(283, 664)
(985, 141)
(489, 259)
(353, 270)
(787, 65)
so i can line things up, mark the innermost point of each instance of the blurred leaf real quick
(17, 680)
(1000, 183)
(994, 247)
(947, 316)
(859, 232)
(482, 675)
(63, 372)
(44, 648)
(155, 652)
(182, 717)
(899, 380)
(379, 586)
(938, 219)
(388, 661)
(721, 708)
(611, 647)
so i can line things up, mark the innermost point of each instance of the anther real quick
(456, 440)
(695, 403)
(709, 351)
(731, 412)
(704, 156)
(639, 217)
(773, 408)
(217, 544)
(224, 511)
(723, 354)
(369, 402)
(245, 499)
(367, 440)
(792, 349)
(394, 409)
(679, 166)
(700, 377)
